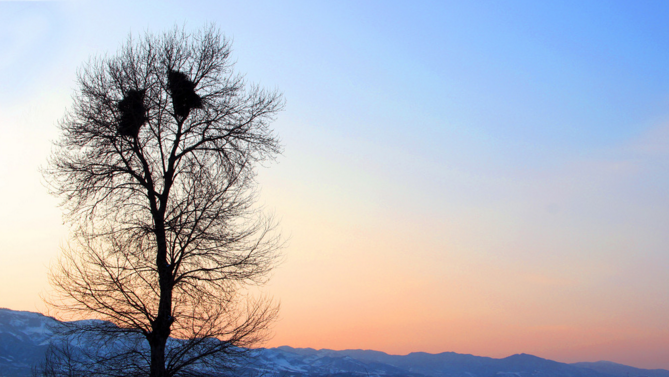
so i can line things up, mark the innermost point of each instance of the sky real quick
(482, 177)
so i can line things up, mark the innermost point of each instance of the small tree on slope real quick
(156, 170)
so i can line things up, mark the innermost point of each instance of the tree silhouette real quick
(155, 167)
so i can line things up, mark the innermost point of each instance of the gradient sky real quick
(484, 177)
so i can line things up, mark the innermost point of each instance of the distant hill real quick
(615, 369)
(297, 361)
(24, 337)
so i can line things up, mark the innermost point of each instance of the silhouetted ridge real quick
(620, 370)
(133, 113)
(183, 93)
(525, 357)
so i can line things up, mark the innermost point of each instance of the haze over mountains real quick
(24, 337)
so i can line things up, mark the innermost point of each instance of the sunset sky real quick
(483, 177)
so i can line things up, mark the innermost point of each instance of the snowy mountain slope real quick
(24, 337)
(449, 364)
(287, 361)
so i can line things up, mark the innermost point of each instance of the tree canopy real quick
(156, 169)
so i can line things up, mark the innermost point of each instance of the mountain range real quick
(25, 336)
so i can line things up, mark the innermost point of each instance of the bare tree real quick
(156, 170)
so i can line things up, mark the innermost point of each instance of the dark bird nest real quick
(183, 93)
(133, 113)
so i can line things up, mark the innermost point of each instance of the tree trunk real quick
(158, 358)
(161, 326)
